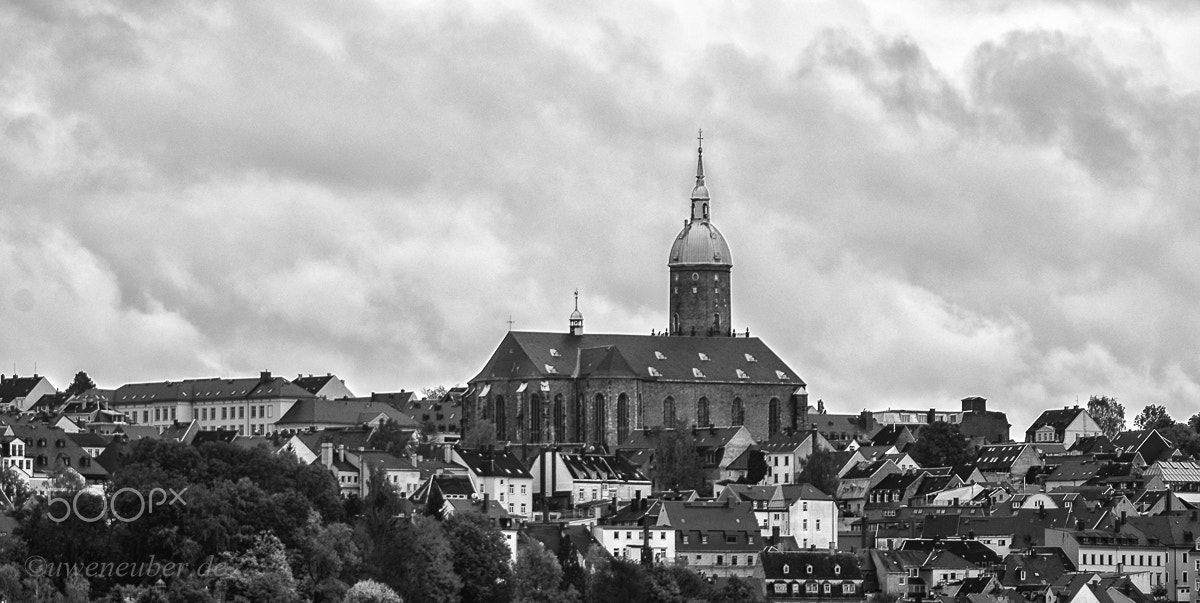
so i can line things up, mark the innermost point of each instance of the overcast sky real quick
(924, 200)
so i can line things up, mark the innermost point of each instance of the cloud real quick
(915, 217)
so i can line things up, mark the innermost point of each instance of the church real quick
(594, 389)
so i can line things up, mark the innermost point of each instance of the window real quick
(739, 411)
(702, 412)
(774, 417)
(270, 411)
(847, 589)
(827, 588)
(811, 587)
(704, 539)
(669, 412)
(720, 560)
(837, 570)
(522, 488)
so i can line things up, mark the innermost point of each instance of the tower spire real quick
(700, 192)
(576, 322)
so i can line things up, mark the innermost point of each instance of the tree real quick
(1183, 437)
(1153, 416)
(821, 470)
(756, 468)
(434, 393)
(370, 591)
(537, 576)
(1194, 422)
(939, 444)
(480, 557)
(261, 573)
(81, 384)
(1108, 414)
(676, 464)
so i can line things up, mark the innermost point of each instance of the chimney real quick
(486, 497)
(264, 376)
(327, 454)
(341, 453)
(447, 453)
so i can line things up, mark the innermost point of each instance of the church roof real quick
(700, 243)
(536, 355)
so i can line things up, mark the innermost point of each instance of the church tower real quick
(700, 265)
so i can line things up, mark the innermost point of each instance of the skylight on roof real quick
(551, 370)
(781, 375)
(697, 373)
(750, 358)
(554, 353)
(703, 356)
(742, 374)
(659, 355)
(654, 372)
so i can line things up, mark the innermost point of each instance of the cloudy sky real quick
(925, 200)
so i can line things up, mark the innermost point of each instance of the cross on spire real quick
(700, 137)
(510, 322)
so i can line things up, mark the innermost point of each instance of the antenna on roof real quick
(510, 322)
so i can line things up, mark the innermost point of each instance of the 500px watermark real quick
(39, 566)
(157, 497)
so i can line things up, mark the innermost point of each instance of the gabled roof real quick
(889, 435)
(998, 458)
(1058, 419)
(795, 566)
(786, 442)
(493, 463)
(1176, 471)
(602, 467)
(707, 516)
(971, 551)
(264, 387)
(897, 481)
(348, 412)
(15, 387)
(538, 355)
(1096, 444)
(867, 469)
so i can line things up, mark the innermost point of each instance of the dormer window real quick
(786, 568)
(742, 374)
(750, 358)
(654, 372)
(703, 356)
(808, 569)
(554, 353)
(551, 370)
(697, 373)
(837, 570)
(660, 355)
(782, 375)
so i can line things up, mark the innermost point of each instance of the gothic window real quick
(702, 413)
(773, 417)
(622, 418)
(580, 420)
(535, 418)
(599, 424)
(669, 412)
(739, 413)
(560, 419)
(675, 323)
(501, 415)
